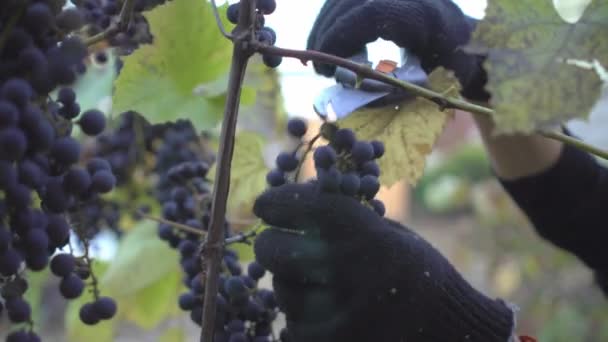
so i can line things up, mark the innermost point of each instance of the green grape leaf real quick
(248, 176)
(539, 65)
(141, 260)
(150, 306)
(183, 73)
(77, 331)
(409, 130)
(36, 284)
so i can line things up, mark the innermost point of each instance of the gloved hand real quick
(433, 30)
(343, 273)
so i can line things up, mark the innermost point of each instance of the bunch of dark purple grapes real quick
(345, 165)
(98, 15)
(264, 34)
(245, 312)
(42, 184)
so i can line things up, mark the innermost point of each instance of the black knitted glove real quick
(343, 273)
(433, 30)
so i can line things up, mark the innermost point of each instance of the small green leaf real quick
(534, 62)
(154, 304)
(77, 331)
(142, 259)
(163, 81)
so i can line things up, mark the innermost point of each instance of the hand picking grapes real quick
(342, 272)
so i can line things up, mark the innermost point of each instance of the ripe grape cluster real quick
(244, 311)
(98, 15)
(264, 34)
(345, 165)
(41, 183)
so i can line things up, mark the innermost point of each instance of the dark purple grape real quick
(88, 314)
(235, 287)
(272, 61)
(30, 174)
(378, 148)
(37, 262)
(66, 96)
(9, 114)
(378, 207)
(42, 135)
(8, 174)
(329, 180)
(58, 230)
(188, 301)
(92, 122)
(275, 178)
(33, 60)
(232, 13)
(18, 195)
(38, 17)
(267, 35)
(287, 162)
(18, 91)
(77, 181)
(187, 248)
(350, 184)
(71, 287)
(37, 240)
(103, 181)
(362, 151)
(98, 164)
(105, 307)
(196, 315)
(63, 264)
(325, 157)
(18, 310)
(13, 142)
(65, 151)
(369, 186)
(297, 127)
(55, 199)
(197, 284)
(267, 6)
(70, 19)
(255, 270)
(344, 139)
(370, 168)
(70, 110)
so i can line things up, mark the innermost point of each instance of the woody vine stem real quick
(245, 45)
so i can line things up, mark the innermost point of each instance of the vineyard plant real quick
(170, 171)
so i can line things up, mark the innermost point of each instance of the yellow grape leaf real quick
(409, 130)
(542, 69)
(248, 172)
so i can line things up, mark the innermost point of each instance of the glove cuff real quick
(471, 316)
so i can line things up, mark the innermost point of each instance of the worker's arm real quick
(564, 191)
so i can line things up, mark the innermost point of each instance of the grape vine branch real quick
(242, 35)
(441, 100)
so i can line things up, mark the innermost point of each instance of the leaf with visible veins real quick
(409, 130)
(531, 75)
